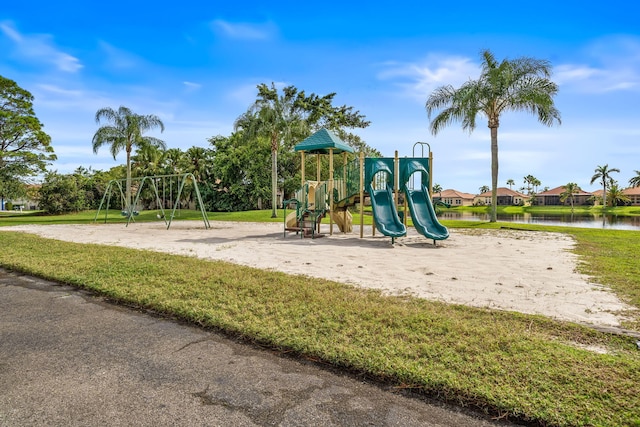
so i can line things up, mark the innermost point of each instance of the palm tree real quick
(570, 190)
(616, 194)
(510, 183)
(521, 84)
(437, 188)
(536, 183)
(532, 184)
(124, 132)
(277, 117)
(198, 161)
(603, 173)
(173, 161)
(635, 181)
(484, 189)
(147, 161)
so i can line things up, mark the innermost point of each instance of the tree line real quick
(242, 171)
(247, 169)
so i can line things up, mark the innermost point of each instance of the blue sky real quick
(196, 65)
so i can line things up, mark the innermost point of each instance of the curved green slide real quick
(422, 212)
(385, 214)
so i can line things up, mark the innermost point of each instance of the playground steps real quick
(307, 225)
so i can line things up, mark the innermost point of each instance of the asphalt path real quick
(68, 358)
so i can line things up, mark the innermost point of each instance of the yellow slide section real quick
(344, 220)
(291, 220)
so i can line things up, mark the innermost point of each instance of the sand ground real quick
(528, 272)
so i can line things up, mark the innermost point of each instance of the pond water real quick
(613, 222)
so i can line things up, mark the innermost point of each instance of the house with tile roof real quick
(633, 193)
(506, 197)
(552, 198)
(454, 198)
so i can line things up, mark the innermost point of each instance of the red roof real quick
(559, 190)
(503, 191)
(453, 194)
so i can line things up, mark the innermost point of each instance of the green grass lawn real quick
(523, 367)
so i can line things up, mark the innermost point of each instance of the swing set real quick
(166, 183)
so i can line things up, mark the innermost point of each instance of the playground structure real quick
(382, 180)
(166, 183)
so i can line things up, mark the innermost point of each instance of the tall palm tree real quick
(520, 84)
(278, 117)
(536, 183)
(635, 181)
(532, 183)
(124, 131)
(603, 173)
(484, 189)
(569, 192)
(510, 183)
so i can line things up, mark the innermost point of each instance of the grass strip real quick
(611, 257)
(525, 367)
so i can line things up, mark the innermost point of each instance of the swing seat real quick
(125, 213)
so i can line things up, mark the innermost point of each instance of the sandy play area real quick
(529, 272)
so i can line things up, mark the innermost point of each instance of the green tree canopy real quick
(25, 149)
(520, 84)
(64, 193)
(288, 117)
(242, 173)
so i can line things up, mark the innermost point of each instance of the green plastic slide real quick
(385, 214)
(422, 212)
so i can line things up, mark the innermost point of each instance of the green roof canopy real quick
(321, 141)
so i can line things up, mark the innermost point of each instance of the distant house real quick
(633, 193)
(552, 198)
(506, 197)
(597, 197)
(454, 197)
(23, 203)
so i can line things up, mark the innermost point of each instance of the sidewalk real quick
(69, 358)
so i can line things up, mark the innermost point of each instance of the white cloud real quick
(616, 67)
(243, 30)
(59, 91)
(116, 58)
(418, 80)
(57, 99)
(586, 79)
(191, 86)
(244, 94)
(40, 48)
